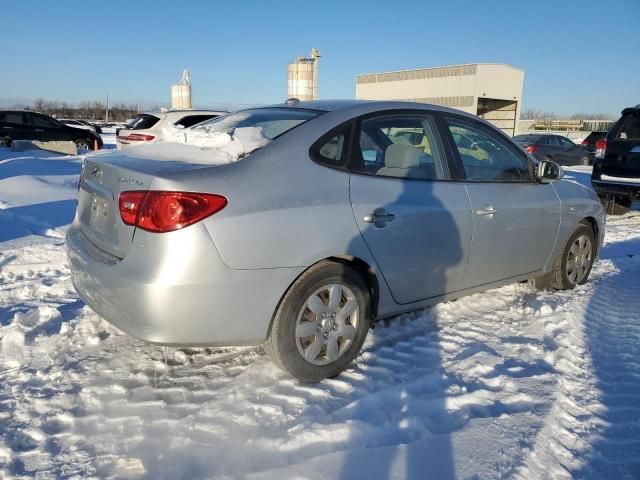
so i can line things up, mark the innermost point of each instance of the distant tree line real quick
(536, 114)
(94, 110)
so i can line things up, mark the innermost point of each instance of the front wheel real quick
(573, 266)
(83, 144)
(615, 205)
(321, 323)
(5, 142)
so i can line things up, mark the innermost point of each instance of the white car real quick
(147, 127)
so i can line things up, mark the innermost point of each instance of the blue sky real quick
(577, 55)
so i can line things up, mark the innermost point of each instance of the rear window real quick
(142, 122)
(271, 122)
(628, 128)
(593, 136)
(191, 120)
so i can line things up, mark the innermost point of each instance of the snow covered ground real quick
(510, 383)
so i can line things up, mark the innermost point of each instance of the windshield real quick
(271, 122)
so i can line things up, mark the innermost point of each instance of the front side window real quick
(485, 156)
(402, 146)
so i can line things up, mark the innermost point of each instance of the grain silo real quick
(181, 93)
(303, 77)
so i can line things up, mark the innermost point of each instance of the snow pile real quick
(207, 144)
(510, 383)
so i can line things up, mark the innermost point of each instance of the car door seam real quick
(473, 228)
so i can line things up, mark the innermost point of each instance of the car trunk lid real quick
(622, 156)
(103, 179)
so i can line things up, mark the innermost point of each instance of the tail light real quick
(137, 137)
(601, 147)
(585, 143)
(160, 211)
(532, 149)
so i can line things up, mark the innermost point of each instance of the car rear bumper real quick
(618, 187)
(174, 289)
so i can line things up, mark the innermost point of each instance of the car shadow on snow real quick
(42, 165)
(411, 407)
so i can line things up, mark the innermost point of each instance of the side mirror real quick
(549, 171)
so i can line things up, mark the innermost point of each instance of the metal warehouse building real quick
(492, 91)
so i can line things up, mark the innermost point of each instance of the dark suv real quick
(22, 125)
(616, 170)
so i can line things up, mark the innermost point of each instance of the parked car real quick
(589, 143)
(616, 170)
(24, 125)
(554, 147)
(147, 127)
(344, 212)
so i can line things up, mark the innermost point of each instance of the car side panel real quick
(578, 202)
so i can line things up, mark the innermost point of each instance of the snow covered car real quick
(147, 127)
(297, 225)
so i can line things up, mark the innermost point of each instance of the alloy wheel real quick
(327, 324)
(579, 259)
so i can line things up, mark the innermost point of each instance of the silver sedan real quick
(300, 224)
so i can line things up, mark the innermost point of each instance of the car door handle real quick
(39, 130)
(487, 210)
(8, 127)
(379, 216)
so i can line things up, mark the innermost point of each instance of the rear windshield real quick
(142, 122)
(628, 128)
(271, 122)
(593, 136)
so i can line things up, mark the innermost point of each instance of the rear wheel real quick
(584, 161)
(614, 205)
(84, 144)
(573, 266)
(321, 323)
(5, 142)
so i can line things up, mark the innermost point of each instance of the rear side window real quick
(402, 146)
(331, 149)
(485, 156)
(142, 122)
(16, 118)
(40, 121)
(191, 120)
(629, 128)
(565, 142)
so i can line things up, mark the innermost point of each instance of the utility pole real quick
(107, 112)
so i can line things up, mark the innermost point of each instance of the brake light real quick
(585, 143)
(137, 137)
(601, 147)
(160, 211)
(532, 149)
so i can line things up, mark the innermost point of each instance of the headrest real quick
(401, 156)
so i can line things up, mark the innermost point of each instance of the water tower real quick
(303, 77)
(181, 93)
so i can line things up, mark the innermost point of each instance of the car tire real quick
(573, 265)
(584, 161)
(615, 205)
(5, 142)
(84, 143)
(321, 323)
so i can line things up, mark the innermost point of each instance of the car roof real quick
(363, 106)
